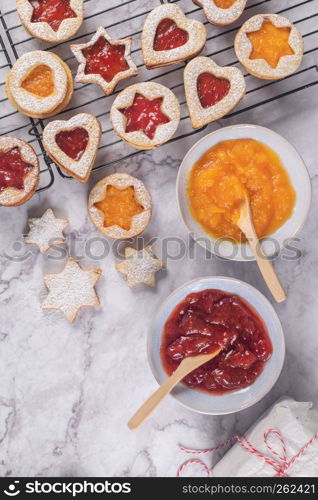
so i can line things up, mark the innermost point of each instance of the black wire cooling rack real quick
(119, 19)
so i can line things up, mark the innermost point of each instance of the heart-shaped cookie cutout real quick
(222, 12)
(73, 144)
(211, 90)
(169, 37)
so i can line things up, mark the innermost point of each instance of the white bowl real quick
(232, 402)
(292, 162)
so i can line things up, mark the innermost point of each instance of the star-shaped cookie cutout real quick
(52, 12)
(270, 43)
(46, 231)
(104, 60)
(71, 289)
(145, 115)
(140, 266)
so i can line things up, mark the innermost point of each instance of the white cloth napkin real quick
(297, 423)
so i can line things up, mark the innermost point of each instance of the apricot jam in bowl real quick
(218, 312)
(221, 167)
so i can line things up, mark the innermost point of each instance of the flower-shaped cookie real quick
(73, 144)
(269, 46)
(169, 37)
(145, 115)
(104, 60)
(211, 91)
(51, 20)
(120, 206)
(222, 12)
(19, 172)
(40, 84)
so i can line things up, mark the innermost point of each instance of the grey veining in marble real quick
(67, 390)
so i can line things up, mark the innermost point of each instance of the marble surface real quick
(67, 390)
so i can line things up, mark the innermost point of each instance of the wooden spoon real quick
(186, 366)
(245, 223)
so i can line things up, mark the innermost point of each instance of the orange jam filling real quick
(224, 4)
(218, 180)
(119, 207)
(39, 81)
(270, 43)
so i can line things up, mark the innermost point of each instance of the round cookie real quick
(42, 72)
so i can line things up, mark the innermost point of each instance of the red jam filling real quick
(145, 115)
(168, 36)
(13, 169)
(73, 142)
(211, 89)
(209, 319)
(52, 12)
(105, 59)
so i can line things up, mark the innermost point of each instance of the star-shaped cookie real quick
(46, 231)
(71, 289)
(104, 60)
(140, 266)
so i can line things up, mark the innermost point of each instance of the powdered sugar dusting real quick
(140, 267)
(107, 87)
(43, 30)
(71, 289)
(31, 103)
(139, 222)
(259, 67)
(46, 231)
(12, 196)
(195, 29)
(217, 15)
(79, 169)
(201, 116)
(170, 106)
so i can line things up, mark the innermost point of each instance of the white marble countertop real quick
(67, 390)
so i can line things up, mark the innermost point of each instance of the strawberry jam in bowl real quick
(208, 313)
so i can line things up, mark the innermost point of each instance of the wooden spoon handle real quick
(265, 265)
(152, 402)
(185, 367)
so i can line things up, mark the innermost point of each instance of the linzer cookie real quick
(46, 231)
(51, 20)
(145, 115)
(104, 61)
(73, 144)
(269, 46)
(120, 206)
(211, 90)
(19, 172)
(71, 289)
(222, 12)
(40, 84)
(140, 266)
(169, 37)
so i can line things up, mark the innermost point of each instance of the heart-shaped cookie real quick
(211, 90)
(73, 144)
(222, 12)
(168, 37)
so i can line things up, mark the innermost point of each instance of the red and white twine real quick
(278, 462)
